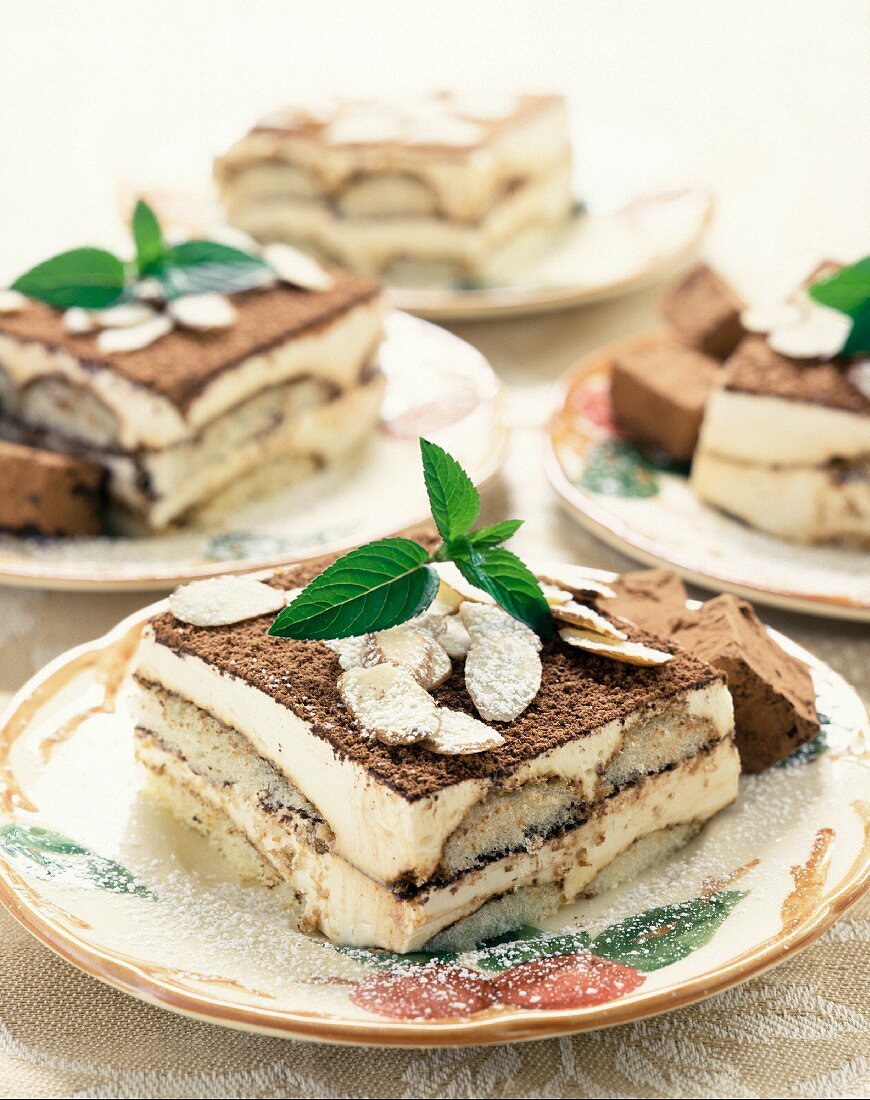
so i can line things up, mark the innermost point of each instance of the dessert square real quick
(785, 445)
(436, 187)
(293, 379)
(659, 393)
(653, 599)
(774, 698)
(43, 493)
(705, 311)
(405, 845)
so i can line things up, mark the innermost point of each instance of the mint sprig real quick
(93, 278)
(385, 583)
(848, 291)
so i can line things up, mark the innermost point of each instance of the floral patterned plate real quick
(646, 508)
(110, 883)
(438, 386)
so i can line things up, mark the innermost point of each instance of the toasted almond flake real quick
(460, 734)
(80, 321)
(502, 675)
(351, 651)
(574, 580)
(578, 614)
(555, 595)
(11, 301)
(149, 290)
(770, 318)
(123, 316)
(454, 637)
(410, 648)
(485, 623)
(859, 376)
(389, 704)
(821, 335)
(290, 595)
(455, 588)
(295, 267)
(202, 311)
(220, 601)
(630, 653)
(115, 340)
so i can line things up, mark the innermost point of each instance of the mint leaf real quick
(198, 267)
(496, 534)
(147, 236)
(452, 496)
(87, 277)
(858, 340)
(510, 583)
(373, 587)
(846, 290)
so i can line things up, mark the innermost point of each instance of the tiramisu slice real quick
(785, 445)
(437, 187)
(261, 742)
(178, 392)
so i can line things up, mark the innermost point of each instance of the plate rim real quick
(444, 304)
(41, 575)
(518, 1026)
(618, 534)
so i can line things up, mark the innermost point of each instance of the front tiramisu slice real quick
(436, 187)
(178, 392)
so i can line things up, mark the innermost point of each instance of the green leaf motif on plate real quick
(55, 856)
(617, 469)
(665, 935)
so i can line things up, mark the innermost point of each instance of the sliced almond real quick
(202, 311)
(555, 595)
(80, 321)
(351, 651)
(114, 340)
(859, 376)
(578, 614)
(821, 335)
(485, 623)
(630, 653)
(220, 601)
(11, 301)
(502, 675)
(126, 315)
(455, 588)
(295, 267)
(460, 734)
(574, 580)
(389, 704)
(770, 318)
(454, 638)
(150, 290)
(410, 648)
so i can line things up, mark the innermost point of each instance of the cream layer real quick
(353, 909)
(385, 834)
(821, 503)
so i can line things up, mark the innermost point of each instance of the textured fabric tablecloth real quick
(800, 1030)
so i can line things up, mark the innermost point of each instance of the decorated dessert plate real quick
(438, 386)
(598, 256)
(648, 510)
(103, 878)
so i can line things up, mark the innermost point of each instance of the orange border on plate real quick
(621, 536)
(499, 1026)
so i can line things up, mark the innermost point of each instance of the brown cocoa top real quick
(756, 368)
(579, 692)
(650, 598)
(181, 364)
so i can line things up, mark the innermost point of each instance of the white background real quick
(765, 102)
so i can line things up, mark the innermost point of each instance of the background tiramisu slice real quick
(42, 493)
(785, 445)
(429, 187)
(286, 375)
